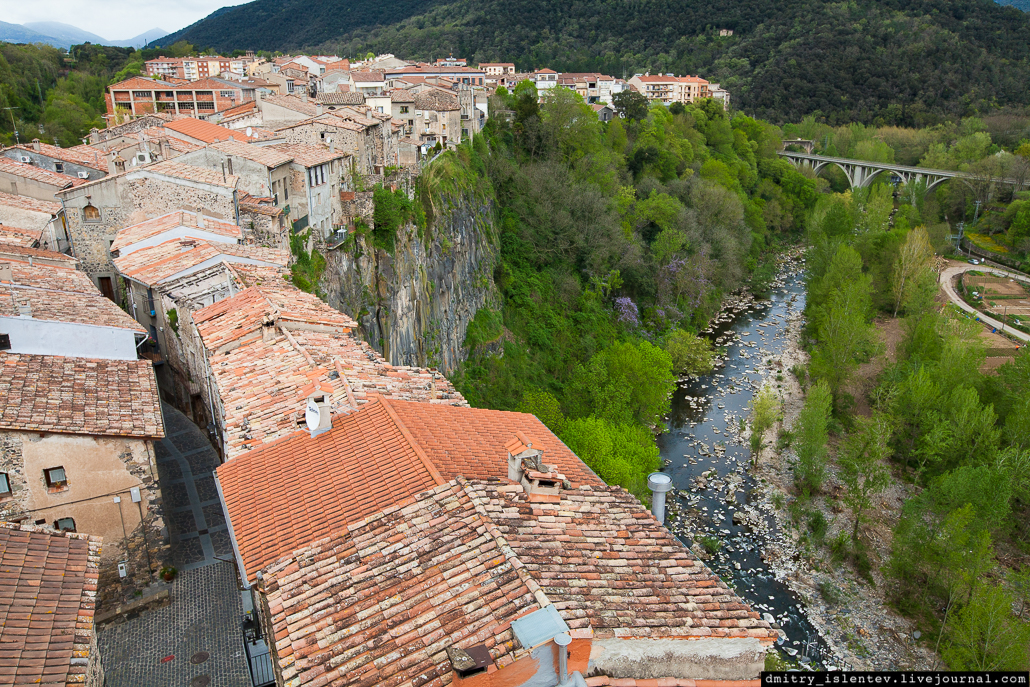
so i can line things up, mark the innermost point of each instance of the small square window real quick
(56, 478)
(59, 167)
(65, 525)
(5, 485)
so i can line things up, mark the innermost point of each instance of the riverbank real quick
(852, 616)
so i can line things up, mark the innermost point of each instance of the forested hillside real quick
(617, 242)
(888, 61)
(58, 95)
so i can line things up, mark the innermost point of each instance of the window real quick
(5, 485)
(404, 109)
(59, 167)
(316, 175)
(90, 213)
(65, 524)
(226, 94)
(205, 106)
(141, 94)
(56, 478)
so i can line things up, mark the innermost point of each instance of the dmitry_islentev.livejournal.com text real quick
(901, 678)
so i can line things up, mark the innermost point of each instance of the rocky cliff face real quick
(414, 306)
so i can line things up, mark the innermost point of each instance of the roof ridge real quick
(502, 543)
(430, 466)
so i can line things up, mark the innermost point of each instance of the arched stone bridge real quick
(861, 173)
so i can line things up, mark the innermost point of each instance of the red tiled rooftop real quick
(180, 218)
(454, 566)
(32, 204)
(155, 264)
(190, 173)
(84, 155)
(306, 155)
(47, 601)
(203, 130)
(79, 396)
(265, 155)
(407, 453)
(38, 174)
(18, 236)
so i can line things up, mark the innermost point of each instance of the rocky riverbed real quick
(735, 514)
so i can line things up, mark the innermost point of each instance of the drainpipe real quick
(563, 640)
(658, 483)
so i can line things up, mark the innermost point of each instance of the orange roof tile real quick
(38, 174)
(203, 130)
(32, 204)
(19, 236)
(189, 173)
(173, 220)
(456, 564)
(268, 156)
(291, 102)
(59, 294)
(476, 449)
(46, 393)
(308, 156)
(47, 600)
(155, 264)
(84, 155)
(23, 253)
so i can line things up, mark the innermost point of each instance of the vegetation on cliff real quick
(617, 242)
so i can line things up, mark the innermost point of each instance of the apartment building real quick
(668, 89)
(138, 96)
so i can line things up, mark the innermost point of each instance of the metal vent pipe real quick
(658, 483)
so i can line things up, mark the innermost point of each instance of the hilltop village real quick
(187, 433)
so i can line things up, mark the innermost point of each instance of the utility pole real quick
(14, 126)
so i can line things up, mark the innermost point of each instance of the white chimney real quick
(658, 483)
(318, 416)
(200, 218)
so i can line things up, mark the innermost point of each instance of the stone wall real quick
(95, 667)
(415, 305)
(98, 469)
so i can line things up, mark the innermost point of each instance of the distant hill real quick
(1019, 4)
(16, 33)
(883, 61)
(142, 39)
(71, 35)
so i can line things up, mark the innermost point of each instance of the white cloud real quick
(112, 19)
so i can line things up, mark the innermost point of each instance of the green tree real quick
(985, 636)
(862, 466)
(913, 259)
(810, 436)
(765, 409)
(621, 454)
(690, 354)
(843, 330)
(545, 407)
(630, 104)
(625, 383)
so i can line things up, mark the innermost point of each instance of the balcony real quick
(336, 238)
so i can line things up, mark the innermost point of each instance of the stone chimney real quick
(35, 144)
(111, 169)
(267, 330)
(318, 109)
(200, 218)
(542, 482)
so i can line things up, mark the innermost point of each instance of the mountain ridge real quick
(61, 35)
(908, 62)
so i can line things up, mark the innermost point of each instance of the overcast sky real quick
(112, 19)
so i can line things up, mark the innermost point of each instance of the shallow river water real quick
(707, 455)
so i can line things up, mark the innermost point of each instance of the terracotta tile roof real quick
(268, 156)
(140, 83)
(291, 102)
(379, 601)
(23, 253)
(38, 174)
(190, 173)
(26, 203)
(402, 95)
(155, 264)
(19, 236)
(299, 459)
(344, 98)
(308, 156)
(59, 294)
(79, 396)
(437, 101)
(470, 441)
(157, 134)
(243, 108)
(84, 155)
(367, 77)
(158, 225)
(204, 131)
(47, 601)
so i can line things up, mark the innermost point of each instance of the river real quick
(707, 455)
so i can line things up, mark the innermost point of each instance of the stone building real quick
(316, 176)
(80, 415)
(96, 211)
(437, 117)
(48, 601)
(80, 162)
(264, 172)
(21, 178)
(42, 219)
(139, 96)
